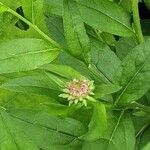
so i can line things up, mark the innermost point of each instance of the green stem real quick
(136, 105)
(142, 129)
(55, 44)
(136, 19)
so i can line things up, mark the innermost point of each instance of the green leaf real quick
(107, 64)
(3, 8)
(34, 101)
(135, 74)
(75, 33)
(25, 54)
(119, 134)
(126, 4)
(54, 7)
(35, 28)
(66, 59)
(23, 124)
(98, 123)
(32, 10)
(98, 13)
(39, 84)
(105, 89)
(55, 27)
(8, 27)
(62, 71)
(108, 38)
(124, 46)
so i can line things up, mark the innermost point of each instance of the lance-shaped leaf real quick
(25, 54)
(75, 33)
(98, 123)
(47, 80)
(23, 125)
(105, 16)
(118, 135)
(105, 62)
(135, 75)
(62, 71)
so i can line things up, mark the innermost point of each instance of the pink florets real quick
(78, 88)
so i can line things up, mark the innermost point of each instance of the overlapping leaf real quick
(135, 74)
(75, 33)
(106, 62)
(98, 13)
(119, 135)
(25, 54)
(23, 124)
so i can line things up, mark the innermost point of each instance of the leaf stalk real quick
(136, 19)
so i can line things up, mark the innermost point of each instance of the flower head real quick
(78, 90)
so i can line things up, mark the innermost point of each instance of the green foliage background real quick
(46, 43)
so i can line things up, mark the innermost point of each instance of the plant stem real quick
(142, 129)
(55, 44)
(142, 107)
(136, 19)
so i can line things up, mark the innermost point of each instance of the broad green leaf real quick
(75, 33)
(98, 123)
(35, 101)
(62, 71)
(105, 89)
(119, 134)
(25, 54)
(98, 13)
(105, 16)
(124, 46)
(107, 64)
(38, 83)
(24, 125)
(48, 80)
(135, 74)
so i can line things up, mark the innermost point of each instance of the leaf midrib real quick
(115, 128)
(108, 17)
(45, 127)
(30, 53)
(130, 81)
